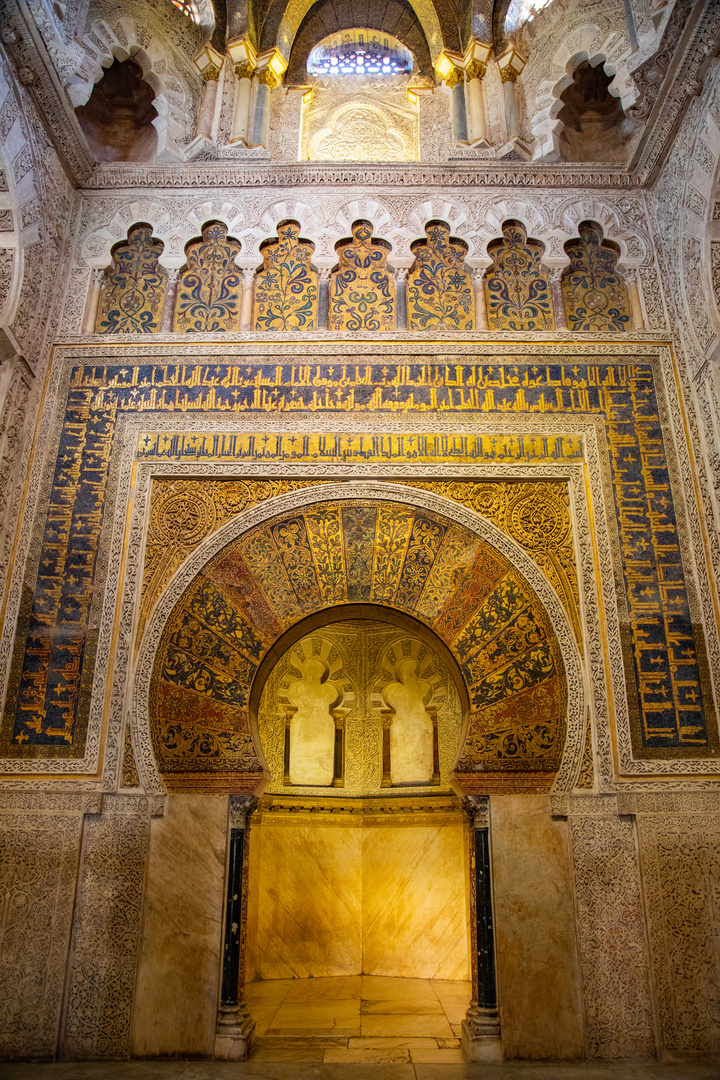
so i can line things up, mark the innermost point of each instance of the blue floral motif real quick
(517, 290)
(440, 292)
(210, 290)
(362, 293)
(286, 292)
(594, 293)
(134, 294)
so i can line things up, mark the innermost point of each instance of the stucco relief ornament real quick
(360, 132)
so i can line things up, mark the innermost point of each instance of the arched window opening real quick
(118, 119)
(360, 52)
(595, 128)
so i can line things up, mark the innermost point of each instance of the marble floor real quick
(360, 1019)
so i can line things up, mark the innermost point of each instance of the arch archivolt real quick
(166, 70)
(365, 493)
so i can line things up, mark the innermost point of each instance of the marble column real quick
(235, 1029)
(631, 276)
(241, 108)
(474, 102)
(91, 308)
(481, 319)
(261, 120)
(456, 84)
(166, 325)
(207, 117)
(509, 78)
(324, 275)
(481, 1039)
(555, 274)
(401, 318)
(246, 307)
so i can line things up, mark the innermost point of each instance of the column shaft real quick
(511, 117)
(476, 127)
(261, 119)
(246, 307)
(241, 108)
(460, 132)
(206, 124)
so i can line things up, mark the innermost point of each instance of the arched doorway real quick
(273, 575)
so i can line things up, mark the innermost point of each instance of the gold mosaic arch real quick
(379, 551)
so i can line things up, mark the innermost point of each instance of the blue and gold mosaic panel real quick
(362, 289)
(304, 562)
(133, 295)
(209, 293)
(594, 293)
(516, 287)
(440, 289)
(286, 289)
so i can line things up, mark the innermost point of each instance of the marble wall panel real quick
(305, 899)
(39, 854)
(180, 954)
(537, 963)
(681, 875)
(613, 952)
(106, 930)
(415, 902)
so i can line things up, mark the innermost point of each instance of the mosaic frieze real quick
(213, 643)
(133, 296)
(362, 288)
(664, 654)
(209, 291)
(594, 293)
(440, 289)
(286, 289)
(516, 287)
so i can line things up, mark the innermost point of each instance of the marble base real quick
(480, 1039)
(234, 1034)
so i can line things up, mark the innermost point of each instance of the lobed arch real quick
(473, 543)
(127, 38)
(585, 43)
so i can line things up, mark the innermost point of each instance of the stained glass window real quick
(359, 52)
(522, 11)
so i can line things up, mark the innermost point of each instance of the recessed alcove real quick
(117, 120)
(595, 127)
(355, 817)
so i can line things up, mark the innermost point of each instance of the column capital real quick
(248, 276)
(475, 70)
(324, 273)
(98, 277)
(401, 273)
(245, 70)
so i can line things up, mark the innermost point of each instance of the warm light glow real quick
(241, 51)
(308, 96)
(412, 96)
(207, 58)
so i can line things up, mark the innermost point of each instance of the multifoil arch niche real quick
(409, 553)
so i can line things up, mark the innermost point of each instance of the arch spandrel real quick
(263, 581)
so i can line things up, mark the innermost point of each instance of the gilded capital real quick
(244, 71)
(507, 74)
(456, 76)
(475, 70)
(268, 77)
(211, 73)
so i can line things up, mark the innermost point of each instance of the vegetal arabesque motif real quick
(440, 291)
(286, 289)
(272, 576)
(134, 293)
(594, 293)
(362, 288)
(210, 289)
(517, 289)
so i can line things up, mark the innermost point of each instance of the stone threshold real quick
(357, 1050)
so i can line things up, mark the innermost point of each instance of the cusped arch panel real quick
(202, 652)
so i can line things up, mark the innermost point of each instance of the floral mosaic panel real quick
(362, 289)
(209, 292)
(516, 287)
(133, 296)
(286, 289)
(594, 293)
(440, 289)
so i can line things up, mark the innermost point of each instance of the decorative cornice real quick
(117, 177)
